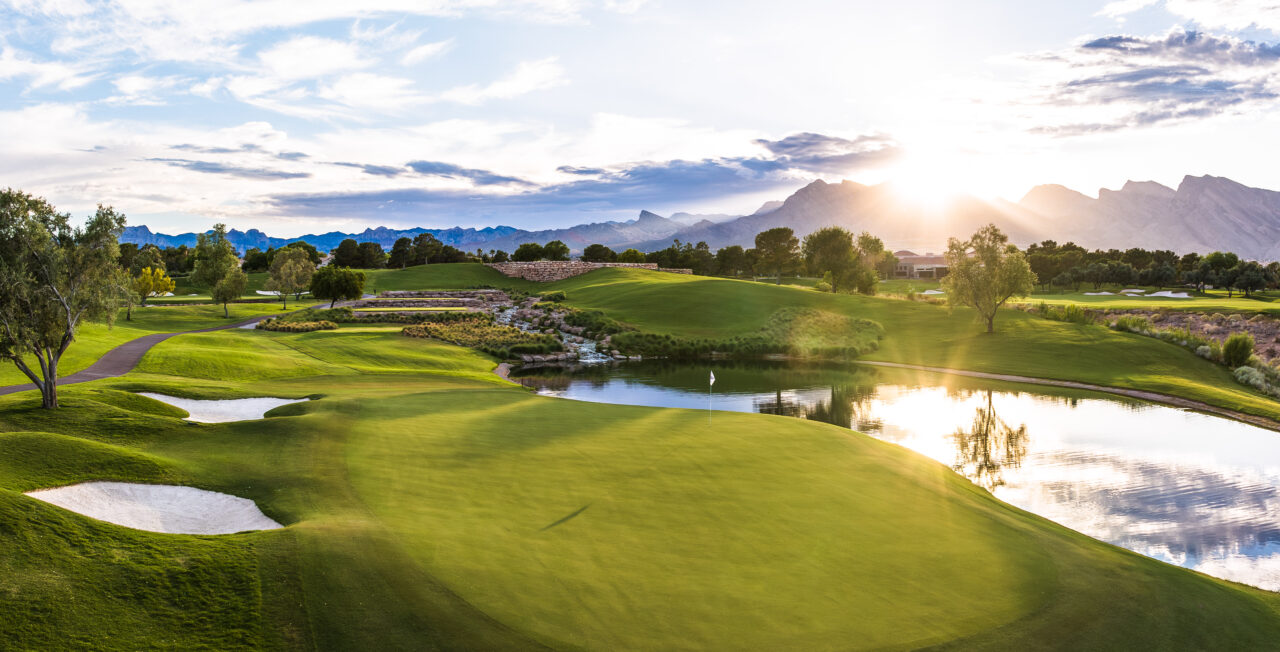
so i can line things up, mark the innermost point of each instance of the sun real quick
(930, 182)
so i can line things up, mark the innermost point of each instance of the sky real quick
(302, 117)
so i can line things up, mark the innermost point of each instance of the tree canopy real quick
(337, 284)
(985, 271)
(778, 248)
(290, 273)
(53, 276)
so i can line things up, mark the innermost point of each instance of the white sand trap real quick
(933, 292)
(1170, 295)
(159, 508)
(227, 410)
(272, 293)
(1099, 294)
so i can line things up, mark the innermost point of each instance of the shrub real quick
(555, 297)
(339, 315)
(1237, 349)
(595, 323)
(495, 339)
(295, 326)
(1253, 378)
(822, 286)
(1069, 313)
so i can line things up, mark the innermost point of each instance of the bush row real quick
(495, 339)
(295, 326)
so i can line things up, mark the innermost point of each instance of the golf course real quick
(424, 502)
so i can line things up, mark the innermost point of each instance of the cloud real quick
(1123, 81)
(1191, 46)
(1229, 14)
(42, 74)
(1121, 8)
(529, 76)
(376, 170)
(426, 51)
(210, 167)
(829, 154)
(451, 171)
(310, 57)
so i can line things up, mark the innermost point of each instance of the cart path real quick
(1154, 397)
(122, 359)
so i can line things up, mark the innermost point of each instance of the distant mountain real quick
(647, 226)
(1203, 214)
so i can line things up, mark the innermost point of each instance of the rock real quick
(615, 353)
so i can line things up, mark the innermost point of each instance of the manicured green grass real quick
(430, 506)
(1209, 301)
(95, 339)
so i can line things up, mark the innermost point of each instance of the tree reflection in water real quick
(989, 447)
(849, 406)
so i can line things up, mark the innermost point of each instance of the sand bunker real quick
(1170, 295)
(272, 293)
(1098, 294)
(1132, 291)
(933, 292)
(159, 508)
(224, 411)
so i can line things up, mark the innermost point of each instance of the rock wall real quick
(545, 271)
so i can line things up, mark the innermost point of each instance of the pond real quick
(1187, 488)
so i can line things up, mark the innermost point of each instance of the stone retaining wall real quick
(545, 271)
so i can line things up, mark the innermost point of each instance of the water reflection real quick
(1187, 488)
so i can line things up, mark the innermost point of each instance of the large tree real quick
(985, 271)
(214, 257)
(347, 254)
(372, 256)
(830, 249)
(230, 288)
(291, 272)
(426, 249)
(777, 248)
(555, 250)
(598, 253)
(53, 276)
(337, 283)
(527, 252)
(401, 253)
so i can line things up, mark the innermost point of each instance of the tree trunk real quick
(991, 324)
(777, 279)
(284, 300)
(49, 393)
(225, 313)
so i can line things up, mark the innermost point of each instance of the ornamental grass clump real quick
(1068, 313)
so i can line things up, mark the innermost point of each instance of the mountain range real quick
(1202, 214)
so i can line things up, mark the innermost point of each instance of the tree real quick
(555, 250)
(731, 260)
(372, 256)
(425, 248)
(290, 273)
(257, 260)
(347, 254)
(230, 288)
(527, 252)
(313, 254)
(888, 265)
(337, 284)
(151, 282)
(778, 248)
(831, 250)
(598, 253)
(631, 256)
(53, 277)
(401, 253)
(1250, 277)
(985, 271)
(214, 257)
(500, 256)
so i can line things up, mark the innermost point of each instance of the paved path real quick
(1175, 401)
(122, 359)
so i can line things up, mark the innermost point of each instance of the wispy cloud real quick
(211, 167)
(451, 171)
(529, 76)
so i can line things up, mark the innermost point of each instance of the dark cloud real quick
(829, 154)
(376, 170)
(451, 171)
(291, 156)
(246, 147)
(569, 169)
(210, 167)
(1179, 76)
(1189, 45)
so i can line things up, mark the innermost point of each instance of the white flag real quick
(713, 378)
